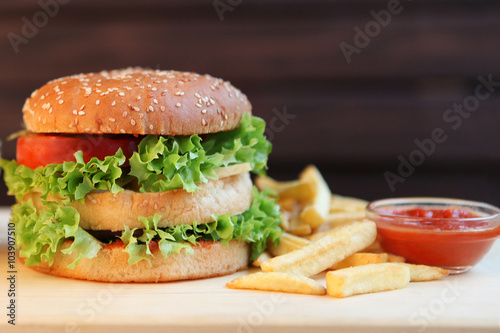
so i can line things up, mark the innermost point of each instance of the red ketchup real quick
(452, 237)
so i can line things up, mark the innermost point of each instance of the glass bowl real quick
(450, 233)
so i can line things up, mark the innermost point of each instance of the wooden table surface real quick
(467, 303)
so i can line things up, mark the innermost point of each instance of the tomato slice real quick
(40, 150)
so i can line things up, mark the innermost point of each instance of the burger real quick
(139, 175)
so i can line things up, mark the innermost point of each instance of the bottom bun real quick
(210, 259)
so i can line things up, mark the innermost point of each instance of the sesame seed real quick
(75, 112)
(212, 100)
(179, 93)
(132, 121)
(82, 107)
(114, 103)
(212, 87)
(204, 111)
(61, 101)
(178, 105)
(225, 116)
(162, 108)
(121, 93)
(198, 105)
(136, 108)
(112, 120)
(97, 102)
(154, 89)
(151, 127)
(197, 95)
(155, 101)
(122, 131)
(151, 108)
(124, 114)
(87, 129)
(81, 113)
(204, 122)
(139, 97)
(50, 110)
(164, 92)
(222, 122)
(46, 106)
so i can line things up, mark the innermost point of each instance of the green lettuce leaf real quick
(69, 180)
(165, 163)
(40, 235)
(257, 225)
(162, 163)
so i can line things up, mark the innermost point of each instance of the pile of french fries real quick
(325, 232)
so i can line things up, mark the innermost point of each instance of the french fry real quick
(346, 204)
(419, 273)
(323, 230)
(232, 170)
(393, 258)
(299, 227)
(288, 243)
(285, 220)
(289, 205)
(344, 217)
(283, 282)
(367, 279)
(317, 211)
(321, 254)
(318, 235)
(359, 259)
(375, 247)
(296, 189)
(260, 259)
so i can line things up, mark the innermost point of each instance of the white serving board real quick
(462, 303)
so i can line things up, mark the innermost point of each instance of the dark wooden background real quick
(351, 120)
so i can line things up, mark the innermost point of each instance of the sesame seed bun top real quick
(135, 101)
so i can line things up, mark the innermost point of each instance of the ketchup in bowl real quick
(449, 233)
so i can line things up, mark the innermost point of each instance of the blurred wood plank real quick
(354, 120)
(275, 45)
